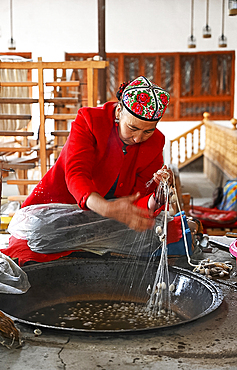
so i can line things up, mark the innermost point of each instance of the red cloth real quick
(174, 230)
(92, 159)
(18, 248)
(233, 249)
(214, 217)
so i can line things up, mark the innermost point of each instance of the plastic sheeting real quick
(53, 228)
(13, 280)
(9, 207)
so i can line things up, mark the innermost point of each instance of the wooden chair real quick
(15, 121)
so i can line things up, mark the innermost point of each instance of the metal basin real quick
(94, 279)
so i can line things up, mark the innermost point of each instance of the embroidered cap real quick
(145, 100)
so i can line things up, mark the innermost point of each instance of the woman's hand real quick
(164, 174)
(122, 210)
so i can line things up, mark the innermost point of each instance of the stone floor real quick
(198, 186)
(207, 343)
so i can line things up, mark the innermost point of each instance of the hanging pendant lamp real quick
(192, 39)
(232, 7)
(206, 32)
(223, 39)
(11, 42)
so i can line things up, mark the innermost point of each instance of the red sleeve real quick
(80, 159)
(143, 183)
(143, 203)
(144, 177)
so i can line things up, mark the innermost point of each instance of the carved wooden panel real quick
(167, 72)
(131, 68)
(187, 75)
(112, 78)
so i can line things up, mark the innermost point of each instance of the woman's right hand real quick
(123, 210)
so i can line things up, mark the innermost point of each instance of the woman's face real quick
(133, 130)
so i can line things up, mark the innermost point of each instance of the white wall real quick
(49, 28)
(164, 25)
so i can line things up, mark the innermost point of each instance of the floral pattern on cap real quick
(145, 100)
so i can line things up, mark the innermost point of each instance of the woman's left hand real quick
(164, 174)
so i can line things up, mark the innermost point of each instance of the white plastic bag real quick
(13, 280)
(53, 228)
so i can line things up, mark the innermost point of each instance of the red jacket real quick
(92, 159)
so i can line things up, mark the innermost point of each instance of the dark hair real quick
(121, 89)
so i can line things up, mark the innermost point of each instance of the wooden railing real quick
(188, 146)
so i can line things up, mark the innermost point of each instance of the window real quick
(197, 82)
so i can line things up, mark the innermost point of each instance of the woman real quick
(115, 146)
(111, 153)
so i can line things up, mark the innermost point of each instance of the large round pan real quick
(94, 279)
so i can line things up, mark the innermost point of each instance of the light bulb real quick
(191, 42)
(11, 44)
(222, 41)
(206, 32)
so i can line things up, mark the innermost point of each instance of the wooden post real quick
(178, 152)
(171, 152)
(234, 123)
(90, 86)
(56, 110)
(95, 87)
(0, 194)
(42, 138)
(186, 202)
(101, 47)
(23, 189)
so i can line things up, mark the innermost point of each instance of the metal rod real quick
(192, 11)
(223, 15)
(101, 47)
(11, 21)
(207, 14)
